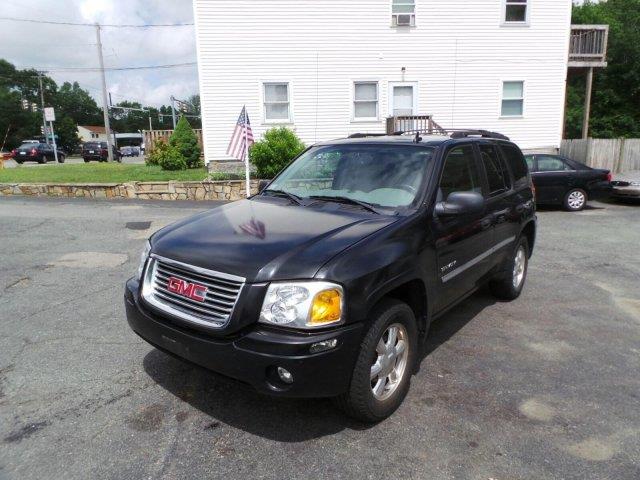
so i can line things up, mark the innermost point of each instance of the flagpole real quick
(246, 152)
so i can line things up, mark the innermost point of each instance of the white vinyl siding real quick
(365, 101)
(457, 56)
(512, 99)
(515, 12)
(276, 102)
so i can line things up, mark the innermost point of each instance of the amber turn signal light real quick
(326, 307)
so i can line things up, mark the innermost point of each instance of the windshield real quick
(382, 175)
(28, 145)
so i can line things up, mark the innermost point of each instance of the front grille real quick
(219, 300)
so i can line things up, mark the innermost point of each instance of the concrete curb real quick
(215, 190)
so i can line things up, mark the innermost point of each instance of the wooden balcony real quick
(588, 46)
(413, 123)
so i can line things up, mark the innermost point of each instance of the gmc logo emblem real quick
(186, 289)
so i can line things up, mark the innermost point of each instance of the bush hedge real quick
(167, 156)
(277, 148)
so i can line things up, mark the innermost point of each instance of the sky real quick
(58, 46)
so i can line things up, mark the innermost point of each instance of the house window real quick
(276, 102)
(515, 11)
(365, 100)
(403, 13)
(512, 99)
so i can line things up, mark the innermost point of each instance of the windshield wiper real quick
(284, 193)
(339, 199)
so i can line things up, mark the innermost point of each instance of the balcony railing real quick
(588, 46)
(413, 123)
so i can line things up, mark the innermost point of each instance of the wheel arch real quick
(413, 292)
(529, 232)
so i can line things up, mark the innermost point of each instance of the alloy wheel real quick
(519, 265)
(390, 363)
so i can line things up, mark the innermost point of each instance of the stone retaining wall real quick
(219, 190)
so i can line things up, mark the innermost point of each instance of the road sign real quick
(49, 114)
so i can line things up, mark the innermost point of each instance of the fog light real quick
(285, 375)
(324, 345)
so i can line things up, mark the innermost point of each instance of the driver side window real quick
(460, 173)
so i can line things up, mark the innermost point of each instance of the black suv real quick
(99, 151)
(325, 283)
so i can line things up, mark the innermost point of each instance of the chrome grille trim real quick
(215, 311)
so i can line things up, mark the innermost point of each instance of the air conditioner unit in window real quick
(404, 20)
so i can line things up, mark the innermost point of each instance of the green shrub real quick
(274, 152)
(184, 139)
(167, 156)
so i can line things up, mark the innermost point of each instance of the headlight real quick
(143, 258)
(303, 304)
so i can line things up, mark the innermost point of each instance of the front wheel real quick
(42, 159)
(575, 200)
(382, 373)
(508, 286)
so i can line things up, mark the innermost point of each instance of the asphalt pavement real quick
(545, 387)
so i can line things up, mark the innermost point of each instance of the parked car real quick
(129, 151)
(37, 152)
(99, 151)
(561, 181)
(325, 283)
(626, 186)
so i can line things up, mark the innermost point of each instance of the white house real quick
(329, 68)
(88, 133)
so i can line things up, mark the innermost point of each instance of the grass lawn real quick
(99, 173)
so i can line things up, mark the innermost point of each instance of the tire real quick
(61, 158)
(359, 401)
(509, 285)
(19, 162)
(86, 160)
(42, 159)
(575, 200)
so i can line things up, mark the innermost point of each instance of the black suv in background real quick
(99, 151)
(37, 152)
(325, 283)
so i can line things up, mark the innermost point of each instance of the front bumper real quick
(253, 356)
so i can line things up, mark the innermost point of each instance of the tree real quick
(615, 104)
(67, 131)
(78, 104)
(185, 141)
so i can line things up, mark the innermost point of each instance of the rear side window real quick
(529, 160)
(516, 162)
(460, 173)
(497, 173)
(548, 163)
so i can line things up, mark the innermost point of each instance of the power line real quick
(50, 22)
(113, 69)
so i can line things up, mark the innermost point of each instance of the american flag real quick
(241, 135)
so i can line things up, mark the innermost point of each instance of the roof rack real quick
(463, 133)
(364, 135)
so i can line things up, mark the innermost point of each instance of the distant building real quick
(88, 133)
(330, 69)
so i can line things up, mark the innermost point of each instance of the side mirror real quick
(460, 203)
(262, 184)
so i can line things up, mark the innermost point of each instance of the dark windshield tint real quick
(383, 175)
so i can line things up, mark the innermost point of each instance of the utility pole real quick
(44, 121)
(173, 111)
(105, 105)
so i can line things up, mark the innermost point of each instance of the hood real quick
(266, 239)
